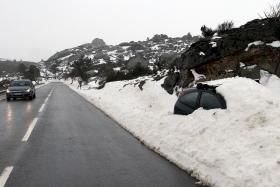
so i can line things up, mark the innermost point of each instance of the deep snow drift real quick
(239, 146)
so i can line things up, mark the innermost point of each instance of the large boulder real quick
(166, 60)
(158, 38)
(135, 61)
(97, 42)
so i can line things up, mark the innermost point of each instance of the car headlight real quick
(7, 91)
(28, 90)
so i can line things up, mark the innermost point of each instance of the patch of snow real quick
(90, 56)
(197, 76)
(251, 67)
(176, 70)
(201, 53)
(112, 52)
(239, 146)
(117, 69)
(125, 47)
(274, 44)
(156, 47)
(151, 67)
(256, 43)
(214, 44)
(126, 57)
(139, 51)
(241, 64)
(113, 58)
(216, 37)
(63, 58)
(101, 61)
(152, 61)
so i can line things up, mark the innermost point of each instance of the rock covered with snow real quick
(256, 44)
(232, 41)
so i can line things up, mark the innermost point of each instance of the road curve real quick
(73, 144)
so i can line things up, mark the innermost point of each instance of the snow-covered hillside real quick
(117, 56)
(239, 146)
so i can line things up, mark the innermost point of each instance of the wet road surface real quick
(61, 140)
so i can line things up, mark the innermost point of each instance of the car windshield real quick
(20, 83)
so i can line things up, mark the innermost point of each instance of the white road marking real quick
(42, 108)
(5, 175)
(29, 130)
(45, 102)
(33, 123)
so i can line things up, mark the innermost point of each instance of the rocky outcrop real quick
(230, 43)
(97, 42)
(166, 60)
(241, 52)
(159, 38)
(135, 61)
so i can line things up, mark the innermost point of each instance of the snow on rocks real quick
(117, 69)
(274, 44)
(214, 44)
(216, 36)
(239, 146)
(254, 43)
(242, 65)
(66, 57)
(201, 53)
(197, 76)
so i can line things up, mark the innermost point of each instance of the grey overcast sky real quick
(36, 29)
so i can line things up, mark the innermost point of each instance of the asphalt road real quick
(61, 140)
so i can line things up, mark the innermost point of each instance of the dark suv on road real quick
(21, 89)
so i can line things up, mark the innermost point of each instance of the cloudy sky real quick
(36, 29)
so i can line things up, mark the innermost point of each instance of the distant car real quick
(21, 89)
(203, 96)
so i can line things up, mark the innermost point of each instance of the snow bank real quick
(270, 81)
(239, 146)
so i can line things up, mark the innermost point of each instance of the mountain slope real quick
(125, 55)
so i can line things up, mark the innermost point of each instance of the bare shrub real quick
(207, 32)
(272, 12)
(225, 26)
